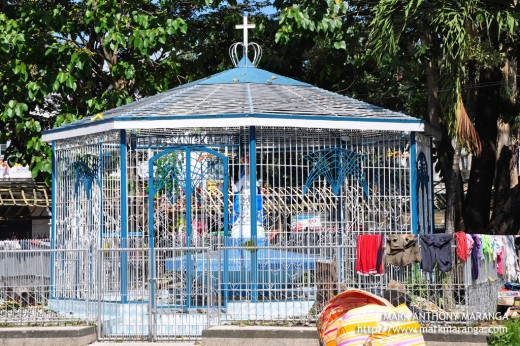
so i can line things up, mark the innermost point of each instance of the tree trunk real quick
(444, 151)
(508, 114)
(478, 198)
(454, 193)
(503, 183)
(506, 214)
(515, 159)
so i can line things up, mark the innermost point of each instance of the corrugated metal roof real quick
(241, 92)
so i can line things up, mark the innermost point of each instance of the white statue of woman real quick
(242, 208)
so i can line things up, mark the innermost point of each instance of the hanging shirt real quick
(487, 246)
(402, 249)
(469, 242)
(510, 262)
(462, 245)
(488, 268)
(475, 257)
(498, 252)
(498, 244)
(369, 254)
(436, 248)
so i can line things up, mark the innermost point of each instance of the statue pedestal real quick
(243, 230)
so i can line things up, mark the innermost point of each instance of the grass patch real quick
(510, 337)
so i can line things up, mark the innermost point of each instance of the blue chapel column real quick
(253, 212)
(413, 185)
(53, 219)
(124, 218)
(431, 195)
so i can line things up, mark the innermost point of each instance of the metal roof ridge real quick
(364, 103)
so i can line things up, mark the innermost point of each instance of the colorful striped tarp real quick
(367, 321)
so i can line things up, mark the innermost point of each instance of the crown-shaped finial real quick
(233, 50)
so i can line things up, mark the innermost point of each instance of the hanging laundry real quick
(487, 266)
(436, 248)
(475, 256)
(510, 262)
(498, 253)
(402, 249)
(498, 246)
(468, 267)
(369, 254)
(462, 245)
(469, 242)
(500, 263)
(487, 246)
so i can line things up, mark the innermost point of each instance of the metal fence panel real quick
(28, 293)
(231, 282)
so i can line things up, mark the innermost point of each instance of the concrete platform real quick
(308, 336)
(48, 336)
(215, 336)
(436, 343)
(260, 336)
(144, 343)
(445, 339)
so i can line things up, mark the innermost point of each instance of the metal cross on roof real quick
(245, 26)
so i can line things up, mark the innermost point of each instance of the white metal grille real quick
(174, 284)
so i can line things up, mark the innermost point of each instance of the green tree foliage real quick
(463, 32)
(335, 36)
(469, 42)
(432, 59)
(204, 50)
(65, 59)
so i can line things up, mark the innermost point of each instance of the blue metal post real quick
(76, 254)
(100, 240)
(124, 219)
(253, 212)
(151, 231)
(225, 270)
(101, 196)
(431, 195)
(189, 262)
(413, 184)
(53, 219)
(342, 229)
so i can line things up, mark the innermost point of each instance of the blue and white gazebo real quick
(226, 191)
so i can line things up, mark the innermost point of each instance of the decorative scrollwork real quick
(242, 62)
(85, 171)
(335, 164)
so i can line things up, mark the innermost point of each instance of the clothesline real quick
(483, 253)
(419, 235)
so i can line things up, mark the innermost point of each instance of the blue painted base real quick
(132, 319)
(276, 270)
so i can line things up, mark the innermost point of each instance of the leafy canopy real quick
(65, 59)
